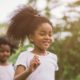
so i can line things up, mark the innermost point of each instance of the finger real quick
(37, 62)
(36, 57)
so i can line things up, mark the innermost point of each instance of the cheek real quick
(8, 54)
(1, 54)
(52, 39)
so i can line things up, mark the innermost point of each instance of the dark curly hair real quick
(4, 41)
(25, 22)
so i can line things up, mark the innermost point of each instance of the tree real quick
(65, 17)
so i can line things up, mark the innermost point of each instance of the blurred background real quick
(65, 17)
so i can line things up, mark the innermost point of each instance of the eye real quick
(42, 34)
(1, 50)
(7, 51)
(50, 34)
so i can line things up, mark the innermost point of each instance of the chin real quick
(45, 48)
(3, 61)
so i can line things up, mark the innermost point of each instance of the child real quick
(38, 64)
(6, 69)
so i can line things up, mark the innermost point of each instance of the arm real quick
(22, 73)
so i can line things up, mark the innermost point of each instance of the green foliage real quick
(16, 54)
(67, 50)
(2, 25)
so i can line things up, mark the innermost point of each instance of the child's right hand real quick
(35, 62)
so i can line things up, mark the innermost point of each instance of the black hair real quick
(4, 41)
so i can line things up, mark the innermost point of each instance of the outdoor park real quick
(65, 17)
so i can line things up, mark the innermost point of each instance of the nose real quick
(5, 53)
(47, 37)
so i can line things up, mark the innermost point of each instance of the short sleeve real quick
(56, 64)
(21, 60)
(55, 61)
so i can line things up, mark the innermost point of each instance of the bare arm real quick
(22, 73)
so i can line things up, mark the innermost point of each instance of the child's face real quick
(42, 36)
(4, 52)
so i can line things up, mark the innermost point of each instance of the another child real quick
(6, 68)
(38, 64)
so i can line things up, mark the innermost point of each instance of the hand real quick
(34, 63)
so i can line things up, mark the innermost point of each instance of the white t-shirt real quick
(46, 69)
(6, 72)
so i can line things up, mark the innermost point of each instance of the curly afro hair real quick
(4, 41)
(25, 22)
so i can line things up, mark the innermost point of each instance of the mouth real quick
(46, 43)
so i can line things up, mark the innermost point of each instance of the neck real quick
(39, 51)
(3, 63)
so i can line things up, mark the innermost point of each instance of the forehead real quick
(4, 46)
(44, 27)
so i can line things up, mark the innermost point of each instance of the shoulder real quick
(7, 67)
(53, 55)
(11, 67)
(23, 56)
(25, 53)
(22, 59)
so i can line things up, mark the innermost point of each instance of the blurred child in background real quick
(6, 68)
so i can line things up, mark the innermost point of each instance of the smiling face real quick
(42, 37)
(4, 53)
